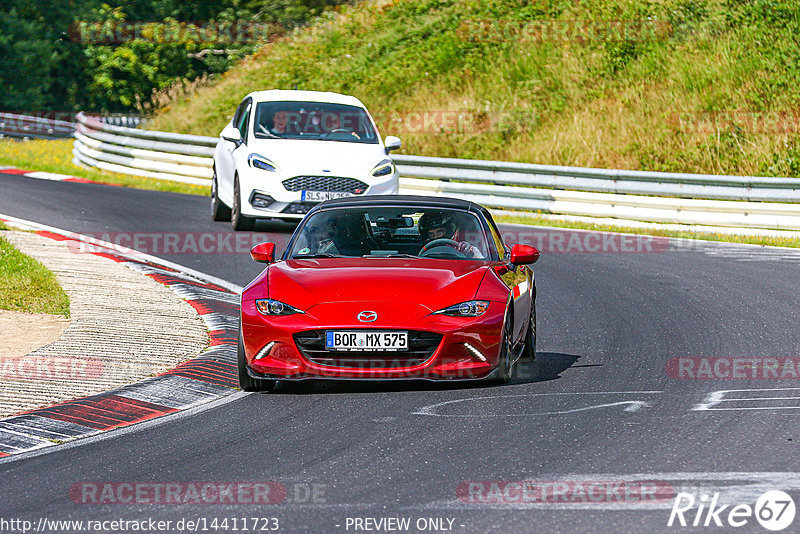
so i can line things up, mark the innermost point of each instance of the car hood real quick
(434, 284)
(306, 156)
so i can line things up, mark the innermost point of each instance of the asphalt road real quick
(597, 410)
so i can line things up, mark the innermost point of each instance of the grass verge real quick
(28, 286)
(704, 236)
(56, 156)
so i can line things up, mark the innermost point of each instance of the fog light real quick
(476, 354)
(265, 351)
(260, 200)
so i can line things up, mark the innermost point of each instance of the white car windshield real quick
(313, 120)
(437, 233)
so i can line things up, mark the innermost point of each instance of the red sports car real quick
(389, 287)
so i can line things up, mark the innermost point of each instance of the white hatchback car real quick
(285, 151)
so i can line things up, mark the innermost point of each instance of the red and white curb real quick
(208, 377)
(40, 175)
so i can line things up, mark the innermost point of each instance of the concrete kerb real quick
(202, 379)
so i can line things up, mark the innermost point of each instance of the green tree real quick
(46, 64)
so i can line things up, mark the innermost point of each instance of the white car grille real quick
(325, 183)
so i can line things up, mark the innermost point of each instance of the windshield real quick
(392, 232)
(313, 120)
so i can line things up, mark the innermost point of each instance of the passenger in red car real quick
(343, 235)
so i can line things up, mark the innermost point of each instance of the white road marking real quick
(41, 175)
(716, 398)
(632, 406)
(742, 251)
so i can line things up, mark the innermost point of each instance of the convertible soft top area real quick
(402, 200)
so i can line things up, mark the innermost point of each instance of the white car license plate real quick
(319, 196)
(356, 340)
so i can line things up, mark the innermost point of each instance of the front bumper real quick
(289, 204)
(450, 360)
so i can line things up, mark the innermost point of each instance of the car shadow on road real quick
(359, 386)
(547, 366)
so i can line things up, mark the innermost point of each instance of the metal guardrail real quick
(25, 126)
(698, 199)
(148, 153)
(130, 121)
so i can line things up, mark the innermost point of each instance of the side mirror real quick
(392, 143)
(524, 254)
(229, 133)
(263, 253)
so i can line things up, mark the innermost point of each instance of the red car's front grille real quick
(421, 345)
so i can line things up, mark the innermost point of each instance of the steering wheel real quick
(339, 130)
(439, 242)
(442, 242)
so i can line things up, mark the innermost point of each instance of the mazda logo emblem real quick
(367, 316)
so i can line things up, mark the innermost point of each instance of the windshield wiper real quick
(397, 255)
(320, 255)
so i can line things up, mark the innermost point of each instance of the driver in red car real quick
(438, 226)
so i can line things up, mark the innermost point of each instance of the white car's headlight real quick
(260, 162)
(383, 168)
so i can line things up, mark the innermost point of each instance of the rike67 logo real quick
(774, 510)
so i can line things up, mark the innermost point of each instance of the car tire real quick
(530, 338)
(506, 366)
(247, 382)
(219, 211)
(238, 221)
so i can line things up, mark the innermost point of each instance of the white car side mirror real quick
(392, 143)
(232, 134)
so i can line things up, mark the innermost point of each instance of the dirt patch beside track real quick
(21, 333)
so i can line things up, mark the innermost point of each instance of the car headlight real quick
(471, 308)
(383, 168)
(260, 162)
(275, 307)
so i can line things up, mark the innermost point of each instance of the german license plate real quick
(319, 196)
(355, 340)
